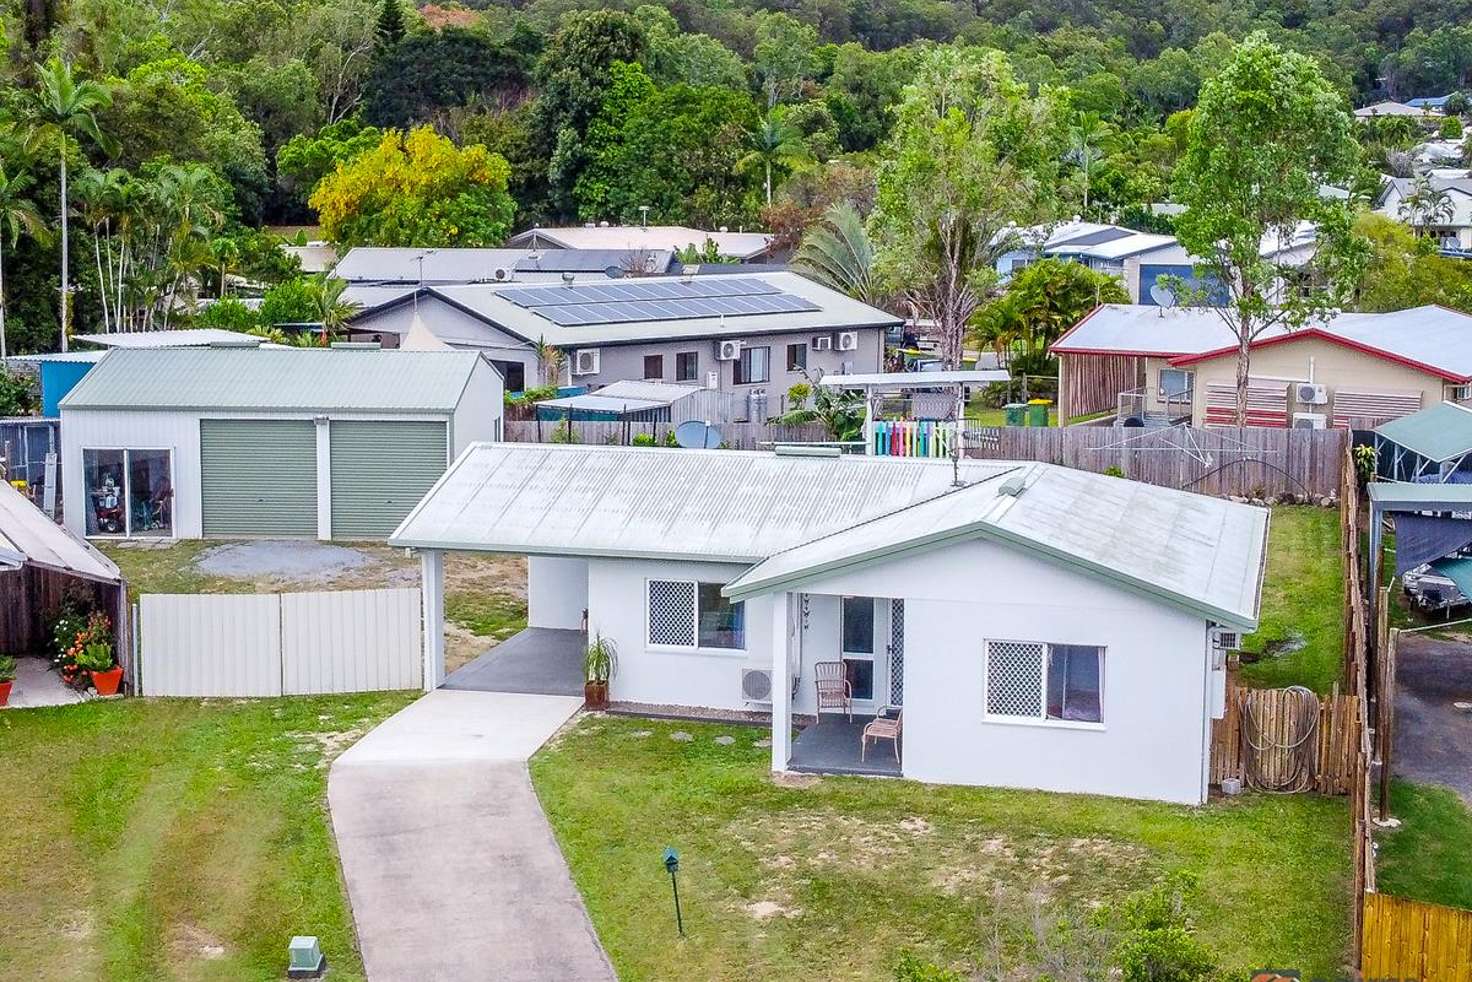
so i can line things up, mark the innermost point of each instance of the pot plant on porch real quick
(7, 676)
(97, 661)
(599, 664)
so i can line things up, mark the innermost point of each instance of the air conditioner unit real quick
(729, 351)
(848, 340)
(1309, 394)
(1310, 421)
(586, 361)
(502, 274)
(823, 342)
(756, 685)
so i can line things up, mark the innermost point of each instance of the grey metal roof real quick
(184, 338)
(364, 380)
(626, 395)
(915, 380)
(1438, 433)
(1416, 496)
(835, 312)
(717, 505)
(1201, 553)
(27, 536)
(741, 245)
(388, 265)
(802, 517)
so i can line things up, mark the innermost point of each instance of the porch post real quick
(781, 685)
(432, 589)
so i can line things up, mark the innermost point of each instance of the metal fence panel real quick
(210, 645)
(350, 641)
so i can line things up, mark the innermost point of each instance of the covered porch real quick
(833, 745)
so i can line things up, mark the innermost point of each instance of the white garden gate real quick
(275, 644)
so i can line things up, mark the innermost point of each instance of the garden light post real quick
(672, 863)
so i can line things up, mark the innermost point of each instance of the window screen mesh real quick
(1014, 680)
(671, 612)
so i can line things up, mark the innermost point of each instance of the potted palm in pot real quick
(7, 676)
(97, 661)
(599, 663)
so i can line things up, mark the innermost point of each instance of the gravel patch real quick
(287, 559)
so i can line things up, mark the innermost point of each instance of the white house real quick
(1450, 223)
(243, 441)
(1040, 627)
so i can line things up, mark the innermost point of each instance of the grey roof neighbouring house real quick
(386, 266)
(342, 379)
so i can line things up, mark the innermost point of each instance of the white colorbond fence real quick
(274, 644)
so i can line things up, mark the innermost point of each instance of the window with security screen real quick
(672, 612)
(1034, 680)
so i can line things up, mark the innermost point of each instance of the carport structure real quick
(1431, 445)
(1432, 521)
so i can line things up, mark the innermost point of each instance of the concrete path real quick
(451, 866)
(36, 685)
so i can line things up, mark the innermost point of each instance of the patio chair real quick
(883, 728)
(833, 688)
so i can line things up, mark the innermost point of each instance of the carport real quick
(1434, 444)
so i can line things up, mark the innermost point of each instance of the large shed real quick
(229, 442)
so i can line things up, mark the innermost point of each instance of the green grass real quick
(173, 839)
(1429, 855)
(1302, 603)
(489, 615)
(168, 569)
(835, 878)
(979, 415)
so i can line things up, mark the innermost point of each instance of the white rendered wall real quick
(556, 592)
(1154, 739)
(478, 416)
(617, 598)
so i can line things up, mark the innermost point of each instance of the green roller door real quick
(380, 470)
(258, 476)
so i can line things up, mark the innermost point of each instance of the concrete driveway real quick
(451, 866)
(1433, 738)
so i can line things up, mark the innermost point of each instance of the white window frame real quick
(697, 648)
(1043, 719)
(127, 487)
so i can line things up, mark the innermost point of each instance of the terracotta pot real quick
(595, 695)
(4, 692)
(106, 683)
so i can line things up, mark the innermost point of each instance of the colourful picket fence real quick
(914, 438)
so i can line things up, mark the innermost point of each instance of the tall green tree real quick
(390, 26)
(18, 214)
(1268, 131)
(60, 110)
(973, 156)
(836, 252)
(1041, 301)
(774, 143)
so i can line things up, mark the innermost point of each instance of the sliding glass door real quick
(129, 492)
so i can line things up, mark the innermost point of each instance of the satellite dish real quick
(696, 435)
(1162, 295)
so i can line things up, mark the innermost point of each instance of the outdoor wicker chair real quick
(833, 688)
(883, 728)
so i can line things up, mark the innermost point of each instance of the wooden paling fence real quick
(1408, 939)
(1287, 740)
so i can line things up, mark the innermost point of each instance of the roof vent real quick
(567, 279)
(241, 342)
(1014, 485)
(356, 345)
(603, 224)
(805, 450)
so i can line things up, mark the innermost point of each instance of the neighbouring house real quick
(752, 335)
(44, 566)
(736, 246)
(1450, 226)
(633, 400)
(1390, 108)
(1154, 365)
(1025, 641)
(335, 443)
(315, 257)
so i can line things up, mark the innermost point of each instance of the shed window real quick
(654, 367)
(688, 614)
(1034, 680)
(687, 366)
(797, 357)
(753, 366)
(128, 492)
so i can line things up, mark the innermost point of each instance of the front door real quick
(865, 632)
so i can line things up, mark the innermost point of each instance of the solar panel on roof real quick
(582, 304)
(721, 286)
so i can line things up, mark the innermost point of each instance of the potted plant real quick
(599, 663)
(96, 660)
(7, 676)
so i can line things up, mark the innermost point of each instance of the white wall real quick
(616, 608)
(478, 416)
(556, 592)
(1154, 739)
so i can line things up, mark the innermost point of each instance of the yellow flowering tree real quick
(417, 189)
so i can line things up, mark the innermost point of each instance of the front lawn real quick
(835, 877)
(1300, 640)
(173, 839)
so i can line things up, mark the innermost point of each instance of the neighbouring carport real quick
(42, 566)
(1434, 444)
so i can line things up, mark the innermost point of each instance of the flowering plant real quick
(83, 644)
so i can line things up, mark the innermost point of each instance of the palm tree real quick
(836, 252)
(329, 309)
(100, 194)
(549, 361)
(1088, 142)
(61, 110)
(1426, 204)
(17, 214)
(774, 143)
(225, 253)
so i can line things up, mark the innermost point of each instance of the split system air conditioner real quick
(848, 340)
(729, 351)
(756, 685)
(1310, 421)
(586, 361)
(502, 274)
(823, 342)
(1309, 394)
